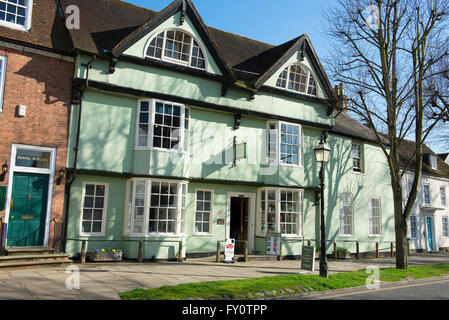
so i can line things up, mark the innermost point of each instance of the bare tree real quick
(437, 88)
(383, 53)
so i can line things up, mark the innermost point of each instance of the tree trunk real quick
(400, 233)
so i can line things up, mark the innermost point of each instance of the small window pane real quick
(93, 208)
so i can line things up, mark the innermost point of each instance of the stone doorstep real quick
(33, 264)
(28, 250)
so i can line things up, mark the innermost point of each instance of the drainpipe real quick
(68, 188)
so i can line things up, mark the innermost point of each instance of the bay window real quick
(156, 207)
(280, 210)
(162, 125)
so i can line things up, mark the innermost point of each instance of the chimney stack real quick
(342, 99)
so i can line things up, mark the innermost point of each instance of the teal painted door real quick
(429, 233)
(26, 226)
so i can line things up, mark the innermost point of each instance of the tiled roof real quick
(348, 126)
(104, 23)
(108, 23)
(406, 151)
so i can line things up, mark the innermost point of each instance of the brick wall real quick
(43, 84)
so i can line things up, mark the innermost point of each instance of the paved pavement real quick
(100, 281)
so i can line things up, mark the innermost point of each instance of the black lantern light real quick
(61, 173)
(4, 171)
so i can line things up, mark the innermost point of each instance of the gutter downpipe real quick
(68, 187)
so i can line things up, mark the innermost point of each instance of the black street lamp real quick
(322, 152)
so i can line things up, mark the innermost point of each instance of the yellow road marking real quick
(384, 289)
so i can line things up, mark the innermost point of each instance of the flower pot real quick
(105, 256)
(342, 255)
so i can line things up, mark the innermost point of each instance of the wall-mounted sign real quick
(239, 150)
(308, 258)
(274, 244)
(229, 251)
(33, 159)
(220, 221)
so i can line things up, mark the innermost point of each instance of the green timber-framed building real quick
(182, 132)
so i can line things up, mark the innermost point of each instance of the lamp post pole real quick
(323, 260)
(322, 152)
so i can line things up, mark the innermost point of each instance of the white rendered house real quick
(428, 229)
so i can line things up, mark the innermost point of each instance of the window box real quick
(99, 256)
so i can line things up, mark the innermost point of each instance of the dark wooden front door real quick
(26, 226)
(239, 221)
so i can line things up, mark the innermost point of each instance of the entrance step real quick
(257, 257)
(17, 264)
(32, 256)
(18, 251)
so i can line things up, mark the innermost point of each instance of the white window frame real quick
(300, 144)
(3, 62)
(370, 217)
(211, 212)
(424, 194)
(129, 210)
(410, 184)
(360, 158)
(29, 14)
(309, 74)
(105, 210)
(276, 156)
(445, 229)
(277, 192)
(415, 220)
(433, 162)
(176, 61)
(151, 124)
(277, 160)
(443, 196)
(340, 215)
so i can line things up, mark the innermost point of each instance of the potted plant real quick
(342, 253)
(106, 255)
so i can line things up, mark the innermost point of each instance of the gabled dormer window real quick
(178, 47)
(16, 14)
(433, 162)
(297, 77)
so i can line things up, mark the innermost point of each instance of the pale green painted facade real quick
(108, 155)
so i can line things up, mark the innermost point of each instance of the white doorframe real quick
(50, 172)
(251, 215)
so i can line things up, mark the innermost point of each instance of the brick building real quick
(35, 90)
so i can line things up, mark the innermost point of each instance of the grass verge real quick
(294, 282)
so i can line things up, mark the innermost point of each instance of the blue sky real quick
(271, 21)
